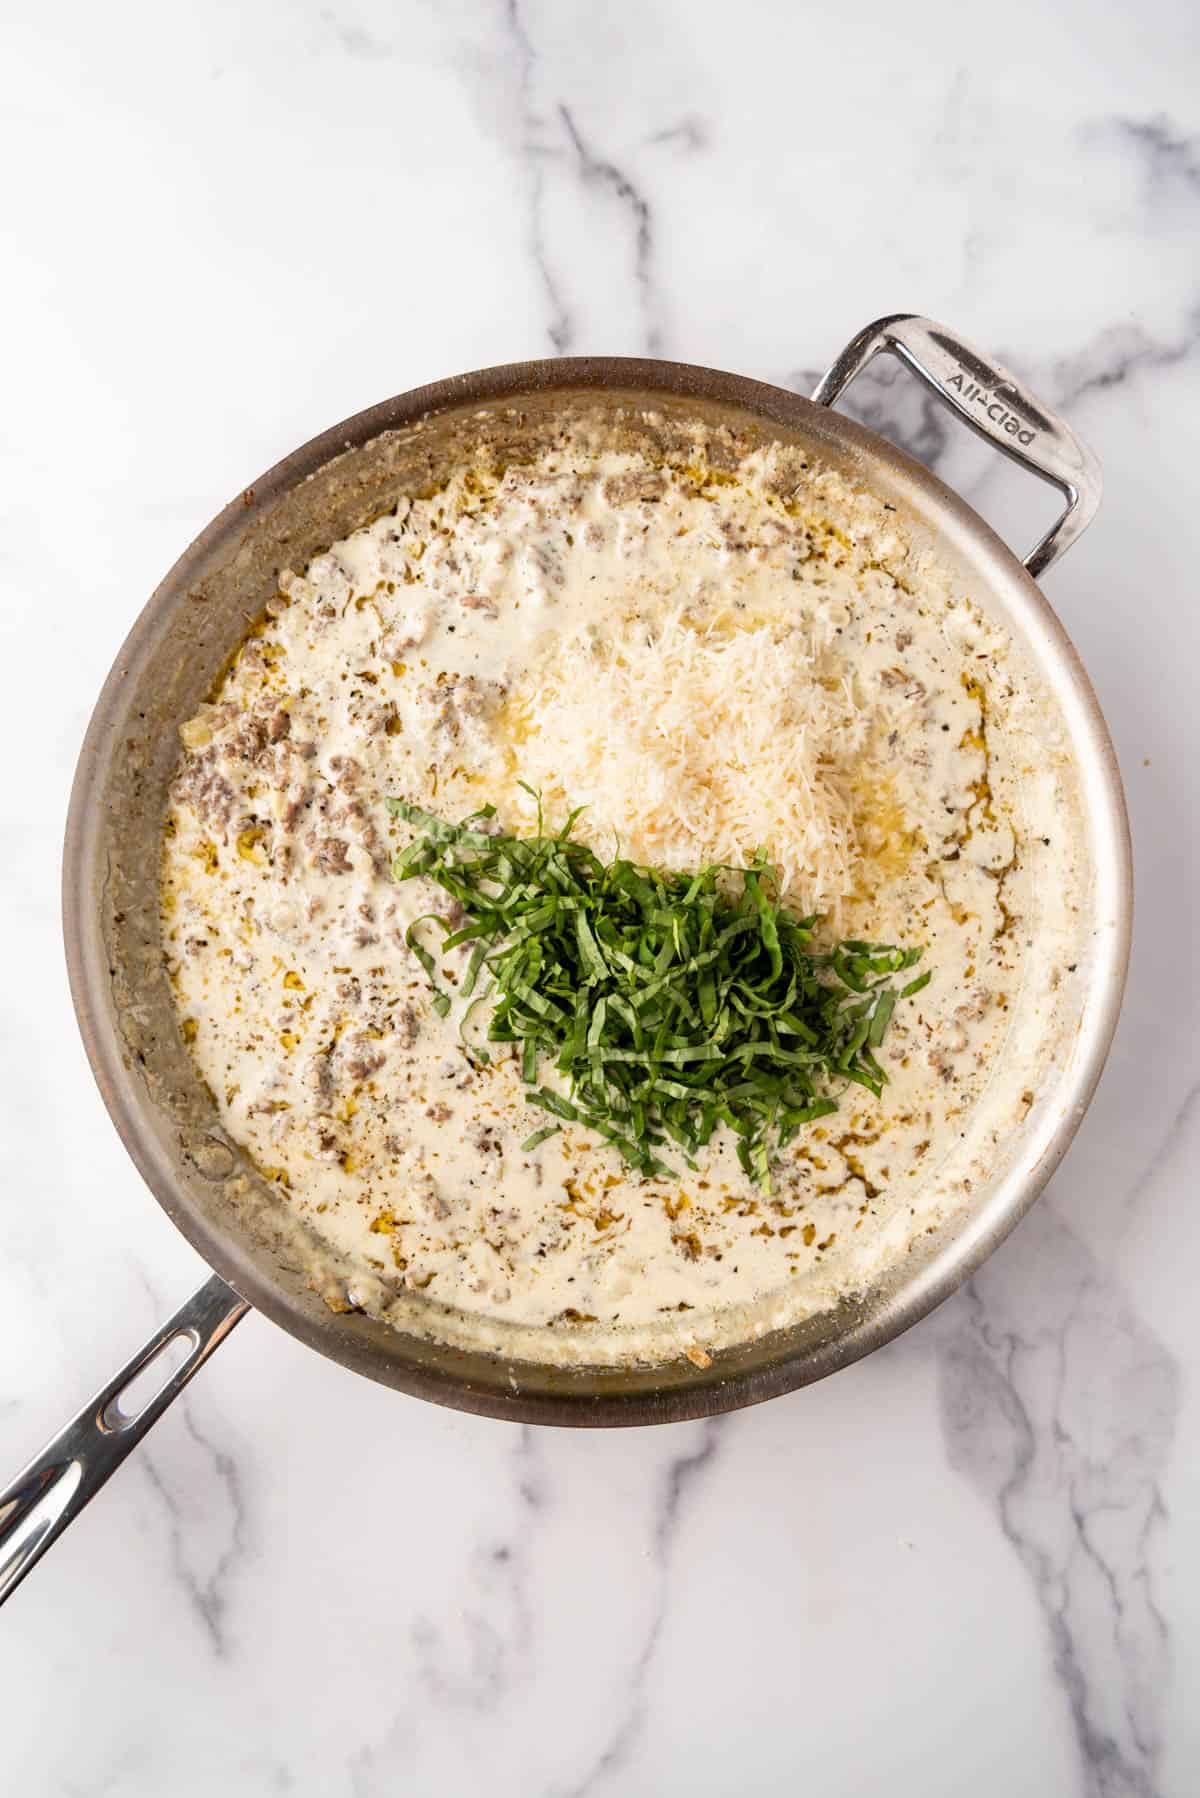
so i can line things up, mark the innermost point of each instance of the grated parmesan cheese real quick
(693, 746)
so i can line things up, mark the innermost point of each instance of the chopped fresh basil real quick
(667, 1004)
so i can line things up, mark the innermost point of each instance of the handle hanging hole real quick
(126, 1406)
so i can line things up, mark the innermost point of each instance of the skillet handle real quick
(53, 1489)
(992, 402)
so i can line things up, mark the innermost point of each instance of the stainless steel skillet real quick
(167, 665)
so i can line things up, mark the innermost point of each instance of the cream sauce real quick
(396, 665)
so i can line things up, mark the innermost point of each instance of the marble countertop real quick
(969, 1563)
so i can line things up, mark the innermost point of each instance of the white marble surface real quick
(969, 1564)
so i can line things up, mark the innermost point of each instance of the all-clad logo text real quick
(999, 413)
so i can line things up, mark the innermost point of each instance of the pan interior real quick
(168, 667)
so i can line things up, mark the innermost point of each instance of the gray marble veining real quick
(680, 1475)
(1060, 1405)
(203, 1499)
